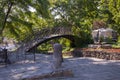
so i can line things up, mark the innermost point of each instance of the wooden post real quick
(7, 61)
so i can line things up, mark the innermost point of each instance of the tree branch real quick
(6, 16)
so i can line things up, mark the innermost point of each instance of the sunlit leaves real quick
(22, 19)
(112, 8)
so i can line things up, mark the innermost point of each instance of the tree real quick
(77, 14)
(109, 12)
(3, 22)
(114, 8)
(16, 16)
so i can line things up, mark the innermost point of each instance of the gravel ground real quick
(83, 68)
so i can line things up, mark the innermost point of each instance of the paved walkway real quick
(83, 69)
(91, 69)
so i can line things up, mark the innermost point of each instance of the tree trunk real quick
(10, 4)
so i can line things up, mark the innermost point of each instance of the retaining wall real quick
(101, 55)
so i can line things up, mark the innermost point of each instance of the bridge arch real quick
(45, 39)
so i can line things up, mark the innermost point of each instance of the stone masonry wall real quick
(101, 55)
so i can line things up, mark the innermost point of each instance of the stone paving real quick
(26, 68)
(83, 68)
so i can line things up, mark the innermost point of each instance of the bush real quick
(117, 44)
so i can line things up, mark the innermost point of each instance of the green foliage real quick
(109, 12)
(109, 40)
(21, 16)
(27, 16)
(117, 44)
(78, 14)
(48, 46)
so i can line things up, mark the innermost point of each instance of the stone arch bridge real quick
(44, 35)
